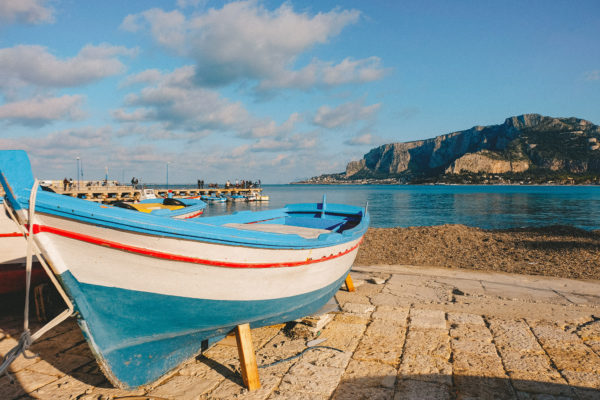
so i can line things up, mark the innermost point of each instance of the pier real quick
(113, 191)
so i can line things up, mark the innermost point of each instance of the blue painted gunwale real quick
(16, 174)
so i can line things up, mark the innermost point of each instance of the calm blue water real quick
(490, 207)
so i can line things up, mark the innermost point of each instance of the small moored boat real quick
(213, 199)
(237, 197)
(251, 197)
(149, 289)
(170, 207)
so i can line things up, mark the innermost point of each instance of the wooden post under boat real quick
(349, 284)
(247, 357)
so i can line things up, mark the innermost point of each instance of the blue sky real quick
(277, 91)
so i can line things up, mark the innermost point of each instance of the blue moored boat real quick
(213, 199)
(149, 289)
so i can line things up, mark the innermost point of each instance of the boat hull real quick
(168, 330)
(144, 312)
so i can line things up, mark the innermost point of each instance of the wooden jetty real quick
(114, 192)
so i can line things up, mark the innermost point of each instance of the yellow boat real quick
(149, 207)
(169, 207)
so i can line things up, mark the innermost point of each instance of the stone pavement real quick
(406, 333)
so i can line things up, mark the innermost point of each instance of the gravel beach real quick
(558, 251)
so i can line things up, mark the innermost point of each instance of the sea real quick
(483, 206)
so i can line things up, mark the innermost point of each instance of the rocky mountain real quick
(523, 146)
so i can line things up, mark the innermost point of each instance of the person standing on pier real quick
(65, 183)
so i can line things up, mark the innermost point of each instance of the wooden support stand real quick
(40, 306)
(349, 284)
(247, 357)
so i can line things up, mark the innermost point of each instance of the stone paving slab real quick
(406, 333)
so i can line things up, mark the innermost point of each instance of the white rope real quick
(26, 337)
(29, 259)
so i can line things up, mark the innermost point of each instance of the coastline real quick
(440, 183)
(556, 251)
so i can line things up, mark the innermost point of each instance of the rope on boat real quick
(299, 355)
(26, 337)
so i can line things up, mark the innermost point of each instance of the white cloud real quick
(244, 40)
(42, 110)
(147, 76)
(408, 112)
(132, 23)
(240, 151)
(65, 144)
(361, 140)
(139, 114)
(593, 75)
(168, 28)
(350, 71)
(172, 99)
(293, 142)
(26, 11)
(53, 157)
(326, 74)
(344, 114)
(33, 65)
(190, 3)
(270, 128)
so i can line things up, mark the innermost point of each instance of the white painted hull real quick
(102, 265)
(13, 246)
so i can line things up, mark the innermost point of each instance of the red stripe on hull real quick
(13, 234)
(174, 257)
(194, 215)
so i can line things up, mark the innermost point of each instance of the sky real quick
(277, 91)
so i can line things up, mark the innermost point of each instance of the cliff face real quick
(521, 142)
(483, 161)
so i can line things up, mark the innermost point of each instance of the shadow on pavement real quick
(456, 387)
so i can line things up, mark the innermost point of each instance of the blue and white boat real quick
(237, 197)
(213, 198)
(149, 289)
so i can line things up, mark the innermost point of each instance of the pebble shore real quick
(560, 251)
(405, 333)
